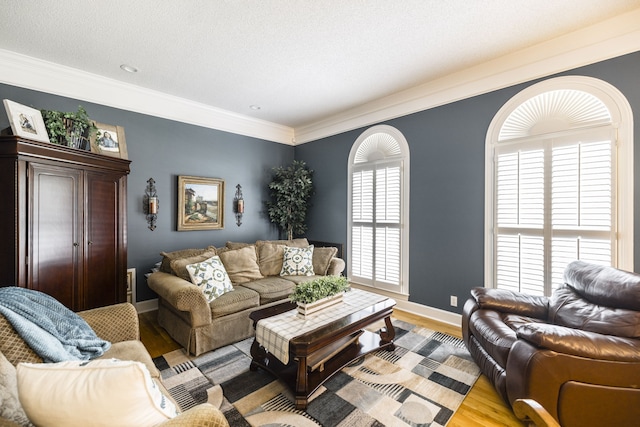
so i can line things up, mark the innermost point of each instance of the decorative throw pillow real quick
(105, 392)
(297, 261)
(241, 264)
(322, 258)
(211, 277)
(179, 266)
(167, 257)
(271, 254)
(10, 408)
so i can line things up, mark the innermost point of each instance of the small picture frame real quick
(109, 140)
(200, 203)
(26, 122)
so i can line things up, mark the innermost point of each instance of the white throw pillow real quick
(211, 277)
(105, 392)
(297, 261)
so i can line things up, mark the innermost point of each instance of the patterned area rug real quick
(421, 383)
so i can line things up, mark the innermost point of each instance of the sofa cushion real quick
(297, 261)
(211, 277)
(179, 265)
(271, 254)
(237, 245)
(10, 407)
(322, 258)
(106, 392)
(167, 257)
(271, 288)
(241, 264)
(300, 279)
(240, 298)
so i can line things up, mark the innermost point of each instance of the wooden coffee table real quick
(316, 355)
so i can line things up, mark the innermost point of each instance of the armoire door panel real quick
(56, 236)
(102, 216)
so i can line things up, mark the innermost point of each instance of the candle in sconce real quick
(153, 205)
(240, 206)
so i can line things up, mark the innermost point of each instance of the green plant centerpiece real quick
(316, 294)
(290, 191)
(71, 129)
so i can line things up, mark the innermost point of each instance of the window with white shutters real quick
(378, 228)
(553, 188)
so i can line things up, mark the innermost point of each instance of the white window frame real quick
(621, 122)
(403, 159)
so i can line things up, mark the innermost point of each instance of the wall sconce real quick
(238, 205)
(150, 204)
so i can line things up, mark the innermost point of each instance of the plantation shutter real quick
(553, 204)
(376, 220)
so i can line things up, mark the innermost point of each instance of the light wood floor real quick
(481, 407)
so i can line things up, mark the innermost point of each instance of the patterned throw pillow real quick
(297, 261)
(211, 277)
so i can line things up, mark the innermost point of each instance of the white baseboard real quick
(443, 316)
(148, 305)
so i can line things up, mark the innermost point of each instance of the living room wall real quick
(447, 149)
(163, 149)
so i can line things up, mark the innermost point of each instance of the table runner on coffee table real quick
(274, 333)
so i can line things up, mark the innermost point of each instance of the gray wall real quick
(447, 146)
(163, 149)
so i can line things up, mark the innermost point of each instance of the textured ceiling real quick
(299, 60)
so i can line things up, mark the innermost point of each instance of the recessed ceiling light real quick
(129, 68)
(254, 107)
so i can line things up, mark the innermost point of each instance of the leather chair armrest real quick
(182, 295)
(531, 412)
(511, 302)
(114, 323)
(581, 343)
(204, 415)
(336, 267)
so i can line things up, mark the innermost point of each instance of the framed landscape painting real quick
(200, 203)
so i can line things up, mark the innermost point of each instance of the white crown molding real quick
(31, 73)
(605, 40)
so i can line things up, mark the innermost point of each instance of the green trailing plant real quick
(72, 129)
(319, 288)
(290, 189)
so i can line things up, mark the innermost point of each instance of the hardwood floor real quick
(481, 407)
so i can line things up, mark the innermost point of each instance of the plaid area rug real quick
(421, 383)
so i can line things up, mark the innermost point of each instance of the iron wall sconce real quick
(150, 204)
(238, 205)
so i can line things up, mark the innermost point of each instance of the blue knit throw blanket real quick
(53, 332)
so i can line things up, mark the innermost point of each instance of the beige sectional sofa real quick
(254, 269)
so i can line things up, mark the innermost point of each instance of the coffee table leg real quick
(257, 355)
(388, 334)
(301, 384)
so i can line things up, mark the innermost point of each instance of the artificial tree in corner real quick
(290, 191)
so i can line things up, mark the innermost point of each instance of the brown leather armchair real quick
(577, 353)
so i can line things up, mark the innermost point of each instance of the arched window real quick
(378, 238)
(559, 183)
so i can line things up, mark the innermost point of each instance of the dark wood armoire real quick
(63, 222)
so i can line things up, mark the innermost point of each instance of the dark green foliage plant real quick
(290, 191)
(319, 288)
(67, 128)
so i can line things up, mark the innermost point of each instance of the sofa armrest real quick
(182, 295)
(114, 323)
(204, 415)
(511, 302)
(581, 343)
(336, 267)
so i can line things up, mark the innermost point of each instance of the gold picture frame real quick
(109, 140)
(200, 203)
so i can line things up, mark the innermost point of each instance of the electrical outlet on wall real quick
(454, 301)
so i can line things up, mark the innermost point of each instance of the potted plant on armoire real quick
(291, 189)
